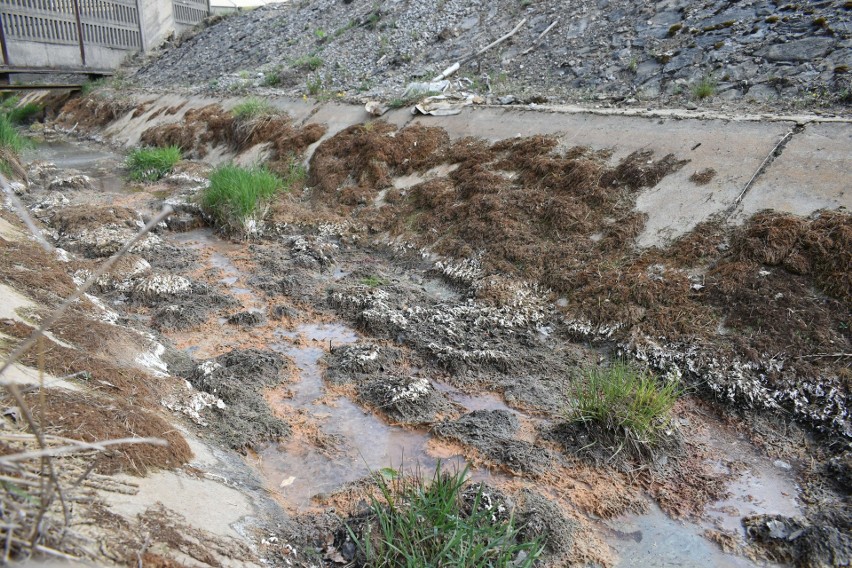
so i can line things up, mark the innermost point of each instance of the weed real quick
(19, 114)
(408, 101)
(295, 174)
(372, 281)
(342, 30)
(373, 20)
(272, 78)
(11, 144)
(320, 34)
(629, 408)
(314, 85)
(151, 164)
(309, 62)
(633, 65)
(252, 108)
(90, 86)
(704, 88)
(238, 198)
(436, 523)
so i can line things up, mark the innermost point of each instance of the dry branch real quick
(540, 37)
(455, 66)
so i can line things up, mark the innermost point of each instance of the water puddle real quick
(654, 540)
(364, 443)
(100, 165)
(217, 250)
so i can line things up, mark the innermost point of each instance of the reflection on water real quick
(365, 442)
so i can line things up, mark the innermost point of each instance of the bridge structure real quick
(90, 37)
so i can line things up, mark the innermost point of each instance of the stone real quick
(806, 49)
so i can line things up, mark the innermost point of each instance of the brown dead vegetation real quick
(80, 217)
(212, 125)
(27, 267)
(93, 111)
(820, 246)
(90, 418)
(703, 177)
(101, 374)
(566, 219)
(200, 128)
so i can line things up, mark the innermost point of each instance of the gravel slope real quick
(633, 52)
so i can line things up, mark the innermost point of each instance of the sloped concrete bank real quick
(496, 372)
(747, 151)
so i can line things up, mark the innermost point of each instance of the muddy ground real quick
(423, 298)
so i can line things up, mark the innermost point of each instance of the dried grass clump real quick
(820, 246)
(212, 125)
(26, 266)
(90, 418)
(99, 373)
(368, 155)
(639, 170)
(285, 139)
(200, 129)
(93, 111)
(80, 217)
(703, 177)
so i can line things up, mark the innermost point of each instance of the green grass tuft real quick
(17, 113)
(253, 108)
(10, 139)
(704, 88)
(23, 114)
(309, 62)
(629, 408)
(238, 198)
(420, 523)
(151, 164)
(11, 144)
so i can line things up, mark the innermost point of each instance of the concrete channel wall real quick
(795, 164)
(88, 34)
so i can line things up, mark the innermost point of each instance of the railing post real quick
(143, 37)
(3, 40)
(76, 4)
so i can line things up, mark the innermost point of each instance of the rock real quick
(807, 49)
(247, 319)
(70, 182)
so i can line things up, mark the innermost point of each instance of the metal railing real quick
(190, 12)
(113, 24)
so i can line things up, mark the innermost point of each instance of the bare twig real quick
(58, 313)
(825, 356)
(21, 211)
(455, 66)
(78, 446)
(540, 37)
(496, 42)
(52, 481)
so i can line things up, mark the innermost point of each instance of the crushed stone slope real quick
(634, 52)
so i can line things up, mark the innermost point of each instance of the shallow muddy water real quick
(355, 441)
(364, 443)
